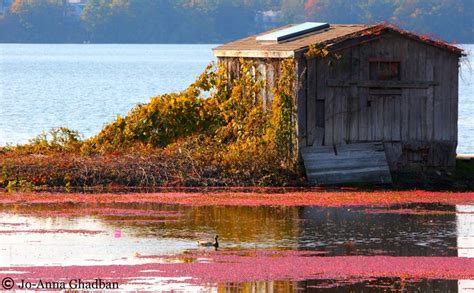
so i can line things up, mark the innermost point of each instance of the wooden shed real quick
(387, 100)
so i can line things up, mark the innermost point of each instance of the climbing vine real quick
(322, 53)
(217, 127)
(284, 114)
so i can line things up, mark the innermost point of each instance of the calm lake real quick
(102, 238)
(83, 87)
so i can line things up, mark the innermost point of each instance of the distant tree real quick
(96, 15)
(292, 10)
(230, 25)
(37, 20)
(199, 21)
(453, 19)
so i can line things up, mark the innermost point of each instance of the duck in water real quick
(209, 243)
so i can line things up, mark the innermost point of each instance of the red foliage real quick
(204, 268)
(229, 198)
(378, 29)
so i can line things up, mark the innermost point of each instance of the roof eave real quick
(221, 53)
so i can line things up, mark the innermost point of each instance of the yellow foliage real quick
(216, 124)
(322, 53)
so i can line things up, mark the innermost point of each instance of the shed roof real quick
(335, 34)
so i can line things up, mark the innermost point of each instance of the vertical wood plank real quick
(454, 98)
(337, 135)
(420, 73)
(353, 114)
(429, 108)
(438, 98)
(396, 118)
(420, 102)
(404, 111)
(319, 134)
(344, 115)
(388, 109)
(329, 116)
(311, 100)
(379, 120)
(365, 133)
(270, 69)
(412, 102)
(354, 97)
(405, 99)
(301, 101)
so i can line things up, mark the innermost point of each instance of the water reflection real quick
(100, 234)
(351, 285)
(75, 241)
(362, 231)
(465, 239)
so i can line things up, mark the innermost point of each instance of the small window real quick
(384, 70)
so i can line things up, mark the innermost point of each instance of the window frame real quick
(392, 75)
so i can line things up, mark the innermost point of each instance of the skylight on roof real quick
(292, 32)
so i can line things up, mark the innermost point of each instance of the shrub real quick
(216, 132)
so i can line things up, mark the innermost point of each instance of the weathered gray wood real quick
(329, 115)
(420, 84)
(366, 176)
(394, 154)
(396, 118)
(422, 125)
(336, 70)
(348, 148)
(301, 70)
(311, 100)
(339, 117)
(378, 123)
(440, 115)
(320, 113)
(318, 136)
(405, 111)
(270, 83)
(385, 92)
(415, 117)
(351, 121)
(412, 115)
(353, 113)
(319, 130)
(429, 107)
(454, 99)
(352, 163)
(388, 108)
(321, 69)
(365, 117)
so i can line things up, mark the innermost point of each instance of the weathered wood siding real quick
(416, 117)
(269, 68)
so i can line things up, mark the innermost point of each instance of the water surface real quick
(85, 86)
(53, 234)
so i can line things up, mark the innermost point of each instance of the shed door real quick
(384, 117)
(388, 116)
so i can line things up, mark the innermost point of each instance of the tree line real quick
(217, 21)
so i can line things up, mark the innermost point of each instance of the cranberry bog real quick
(283, 241)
